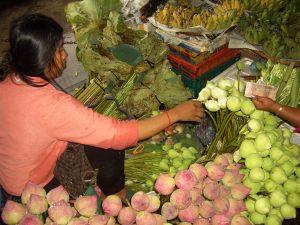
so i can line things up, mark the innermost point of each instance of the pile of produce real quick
(274, 30)
(220, 17)
(260, 5)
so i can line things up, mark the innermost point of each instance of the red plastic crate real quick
(206, 65)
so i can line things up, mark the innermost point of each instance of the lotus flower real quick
(30, 219)
(101, 220)
(221, 205)
(87, 205)
(201, 221)
(206, 181)
(127, 216)
(211, 190)
(165, 184)
(145, 218)
(232, 177)
(78, 221)
(189, 214)
(185, 179)
(240, 220)
(37, 204)
(154, 203)
(160, 220)
(13, 212)
(140, 201)
(57, 194)
(60, 212)
(49, 222)
(206, 209)
(31, 188)
(215, 171)
(229, 157)
(224, 191)
(220, 219)
(112, 205)
(239, 191)
(181, 199)
(234, 166)
(169, 211)
(222, 160)
(235, 207)
(196, 195)
(199, 171)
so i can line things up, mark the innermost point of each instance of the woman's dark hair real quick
(33, 41)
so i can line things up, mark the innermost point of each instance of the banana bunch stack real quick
(260, 5)
(174, 16)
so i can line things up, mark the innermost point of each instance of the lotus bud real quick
(211, 190)
(247, 107)
(253, 160)
(231, 177)
(30, 219)
(222, 160)
(145, 218)
(154, 203)
(262, 205)
(165, 184)
(140, 201)
(37, 204)
(57, 194)
(127, 216)
(255, 187)
(221, 205)
(246, 148)
(224, 191)
(160, 220)
(278, 175)
(189, 214)
(204, 94)
(206, 209)
(78, 221)
(99, 219)
(31, 188)
(201, 221)
(181, 199)
(277, 198)
(257, 218)
(239, 220)
(111, 205)
(235, 207)
(196, 194)
(220, 219)
(215, 171)
(229, 157)
(87, 205)
(262, 142)
(288, 211)
(199, 171)
(233, 103)
(185, 179)
(239, 191)
(60, 212)
(169, 211)
(212, 105)
(234, 166)
(13, 212)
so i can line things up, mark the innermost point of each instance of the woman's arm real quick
(187, 111)
(289, 114)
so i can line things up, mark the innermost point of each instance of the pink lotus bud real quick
(240, 220)
(232, 177)
(145, 218)
(30, 219)
(127, 216)
(185, 179)
(57, 194)
(31, 188)
(140, 201)
(99, 219)
(222, 160)
(224, 191)
(78, 221)
(220, 219)
(13, 212)
(189, 214)
(201, 221)
(206, 209)
(199, 171)
(239, 191)
(37, 204)
(87, 205)
(207, 180)
(211, 190)
(229, 157)
(169, 211)
(196, 194)
(154, 203)
(160, 220)
(49, 222)
(165, 184)
(215, 171)
(221, 205)
(181, 199)
(112, 205)
(235, 207)
(60, 212)
(234, 166)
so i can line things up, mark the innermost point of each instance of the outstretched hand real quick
(188, 111)
(264, 103)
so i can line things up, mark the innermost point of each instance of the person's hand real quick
(188, 111)
(264, 103)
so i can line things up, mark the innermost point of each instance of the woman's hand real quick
(266, 104)
(187, 111)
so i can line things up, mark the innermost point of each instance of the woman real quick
(38, 121)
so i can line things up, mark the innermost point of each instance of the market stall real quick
(239, 165)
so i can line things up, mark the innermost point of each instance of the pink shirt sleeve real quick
(66, 119)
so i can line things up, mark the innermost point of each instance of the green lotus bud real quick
(288, 211)
(277, 198)
(246, 148)
(253, 160)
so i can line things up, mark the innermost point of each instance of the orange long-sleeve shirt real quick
(36, 124)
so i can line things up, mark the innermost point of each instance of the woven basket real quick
(73, 170)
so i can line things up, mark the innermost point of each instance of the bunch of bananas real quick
(260, 5)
